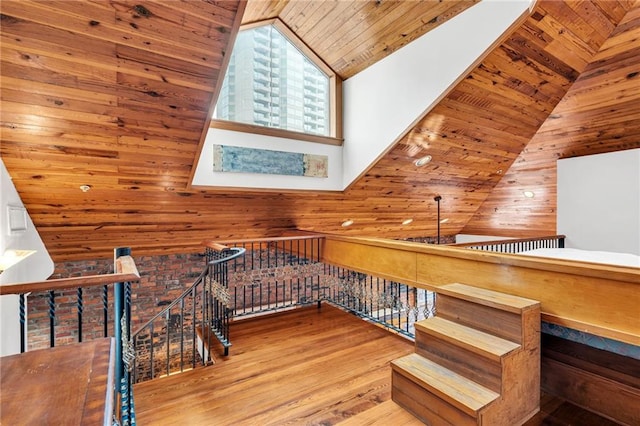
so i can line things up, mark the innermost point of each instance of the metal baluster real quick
(80, 303)
(23, 317)
(167, 325)
(268, 255)
(193, 325)
(151, 351)
(52, 318)
(182, 334)
(105, 310)
(203, 311)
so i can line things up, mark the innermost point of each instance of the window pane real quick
(270, 83)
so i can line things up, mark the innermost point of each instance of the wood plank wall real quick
(600, 113)
(117, 94)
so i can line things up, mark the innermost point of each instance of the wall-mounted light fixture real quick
(346, 223)
(11, 257)
(85, 188)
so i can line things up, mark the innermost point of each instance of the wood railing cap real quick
(296, 235)
(126, 270)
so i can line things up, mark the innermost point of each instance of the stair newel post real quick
(122, 333)
(437, 199)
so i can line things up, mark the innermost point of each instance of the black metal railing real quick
(516, 245)
(179, 337)
(284, 273)
(86, 300)
(391, 304)
(275, 274)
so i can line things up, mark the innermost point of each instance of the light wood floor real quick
(302, 367)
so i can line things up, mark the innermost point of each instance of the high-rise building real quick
(269, 82)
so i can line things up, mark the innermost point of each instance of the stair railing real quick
(178, 338)
(282, 273)
(516, 245)
(88, 329)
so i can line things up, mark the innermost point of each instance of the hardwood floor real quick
(302, 367)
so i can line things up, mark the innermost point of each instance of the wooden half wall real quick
(599, 299)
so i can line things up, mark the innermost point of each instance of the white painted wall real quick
(599, 201)
(379, 103)
(469, 238)
(205, 176)
(36, 267)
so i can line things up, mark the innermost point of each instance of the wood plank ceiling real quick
(351, 35)
(117, 94)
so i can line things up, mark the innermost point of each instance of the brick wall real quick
(162, 279)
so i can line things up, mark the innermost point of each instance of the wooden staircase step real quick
(478, 342)
(384, 414)
(494, 299)
(458, 391)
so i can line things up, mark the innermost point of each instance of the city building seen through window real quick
(271, 83)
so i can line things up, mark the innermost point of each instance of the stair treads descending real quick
(502, 301)
(466, 368)
(384, 414)
(464, 394)
(476, 341)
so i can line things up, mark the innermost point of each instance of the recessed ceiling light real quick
(422, 161)
(85, 188)
(347, 223)
(407, 221)
(445, 220)
(529, 194)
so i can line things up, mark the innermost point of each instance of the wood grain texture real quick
(241, 389)
(600, 113)
(63, 385)
(306, 366)
(610, 310)
(587, 377)
(351, 35)
(117, 95)
(126, 271)
(454, 363)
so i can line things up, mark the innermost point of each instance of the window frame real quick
(335, 136)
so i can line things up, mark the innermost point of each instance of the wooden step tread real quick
(464, 394)
(476, 341)
(384, 414)
(495, 299)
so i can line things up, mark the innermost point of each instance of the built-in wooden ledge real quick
(65, 385)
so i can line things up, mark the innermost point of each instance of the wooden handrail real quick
(216, 246)
(596, 298)
(126, 270)
(213, 244)
(511, 241)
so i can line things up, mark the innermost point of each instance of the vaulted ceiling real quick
(117, 95)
